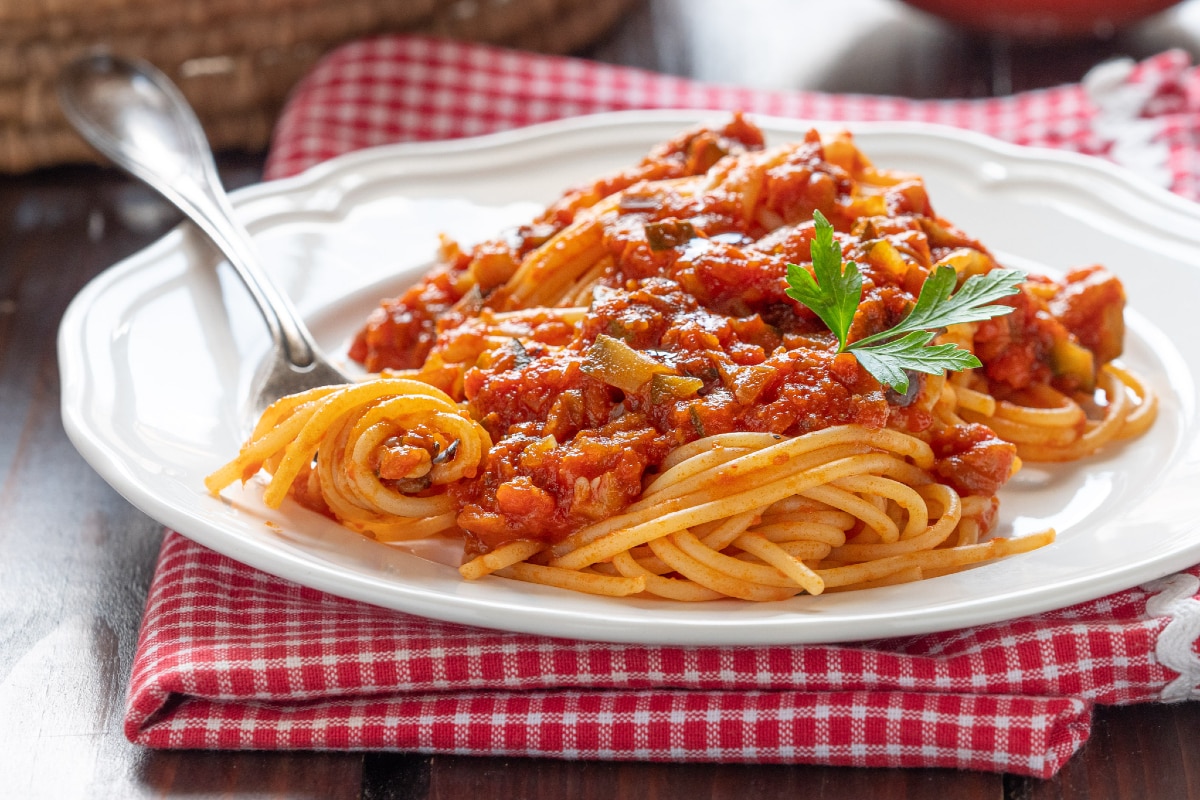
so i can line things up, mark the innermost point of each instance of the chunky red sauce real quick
(400, 333)
(696, 286)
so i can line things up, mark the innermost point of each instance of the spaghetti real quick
(620, 398)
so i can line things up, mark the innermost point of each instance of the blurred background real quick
(976, 48)
(237, 61)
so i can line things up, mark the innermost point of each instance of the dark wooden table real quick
(76, 559)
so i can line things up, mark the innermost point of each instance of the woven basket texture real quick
(236, 60)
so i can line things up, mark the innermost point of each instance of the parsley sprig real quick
(835, 292)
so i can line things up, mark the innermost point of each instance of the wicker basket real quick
(236, 60)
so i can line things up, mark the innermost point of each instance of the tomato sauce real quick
(400, 333)
(698, 290)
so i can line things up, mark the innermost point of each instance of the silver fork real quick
(133, 114)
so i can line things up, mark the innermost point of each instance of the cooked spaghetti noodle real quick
(620, 398)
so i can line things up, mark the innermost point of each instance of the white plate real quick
(157, 352)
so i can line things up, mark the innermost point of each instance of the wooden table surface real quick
(76, 559)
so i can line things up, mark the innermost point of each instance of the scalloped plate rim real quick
(477, 604)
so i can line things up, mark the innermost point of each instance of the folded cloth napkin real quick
(1144, 115)
(232, 658)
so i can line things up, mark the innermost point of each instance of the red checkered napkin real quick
(230, 657)
(1143, 115)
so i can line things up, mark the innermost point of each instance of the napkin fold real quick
(232, 658)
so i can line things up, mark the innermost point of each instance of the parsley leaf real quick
(888, 361)
(836, 293)
(937, 308)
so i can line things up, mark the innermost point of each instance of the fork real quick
(134, 115)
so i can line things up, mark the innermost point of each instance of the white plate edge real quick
(317, 178)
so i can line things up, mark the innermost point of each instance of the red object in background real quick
(1043, 19)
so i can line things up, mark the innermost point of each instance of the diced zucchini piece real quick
(619, 365)
(666, 388)
(1073, 360)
